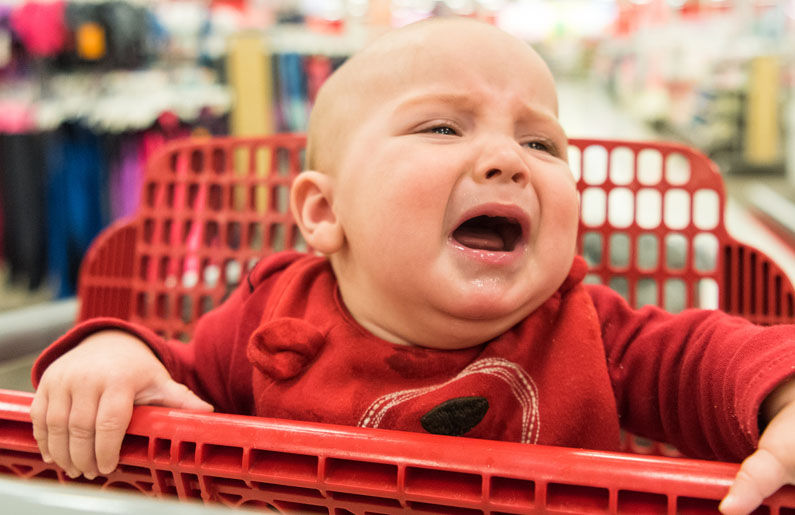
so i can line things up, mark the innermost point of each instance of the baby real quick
(448, 298)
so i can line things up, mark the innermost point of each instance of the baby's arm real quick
(773, 464)
(84, 400)
(705, 380)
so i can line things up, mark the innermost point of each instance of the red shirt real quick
(283, 345)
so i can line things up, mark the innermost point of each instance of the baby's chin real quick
(496, 302)
(453, 324)
(478, 320)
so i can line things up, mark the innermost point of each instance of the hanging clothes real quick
(76, 180)
(295, 83)
(130, 167)
(317, 69)
(2, 240)
(22, 172)
(41, 27)
(277, 100)
(59, 188)
(6, 40)
(110, 153)
(2, 225)
(213, 124)
(89, 33)
(298, 78)
(126, 34)
(57, 224)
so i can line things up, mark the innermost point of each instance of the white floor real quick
(586, 111)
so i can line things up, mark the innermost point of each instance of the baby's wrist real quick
(783, 395)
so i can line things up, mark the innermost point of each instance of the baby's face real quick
(457, 203)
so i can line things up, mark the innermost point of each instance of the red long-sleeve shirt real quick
(283, 345)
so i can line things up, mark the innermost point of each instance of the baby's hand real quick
(773, 464)
(84, 401)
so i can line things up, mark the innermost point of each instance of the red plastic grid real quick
(209, 210)
(212, 207)
(652, 228)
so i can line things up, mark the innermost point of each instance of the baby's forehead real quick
(446, 38)
(436, 47)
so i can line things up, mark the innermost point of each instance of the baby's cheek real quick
(419, 195)
(559, 202)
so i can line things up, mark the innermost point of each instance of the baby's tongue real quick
(483, 238)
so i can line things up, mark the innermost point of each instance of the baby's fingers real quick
(38, 416)
(760, 476)
(59, 404)
(82, 418)
(113, 417)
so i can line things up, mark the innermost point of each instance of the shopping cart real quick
(651, 227)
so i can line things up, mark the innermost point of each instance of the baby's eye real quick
(444, 130)
(540, 145)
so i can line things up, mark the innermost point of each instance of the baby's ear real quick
(311, 199)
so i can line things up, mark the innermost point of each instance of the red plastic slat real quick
(288, 464)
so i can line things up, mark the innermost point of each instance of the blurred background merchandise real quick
(90, 89)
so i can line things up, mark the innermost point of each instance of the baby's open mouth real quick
(493, 233)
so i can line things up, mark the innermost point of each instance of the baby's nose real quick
(499, 174)
(504, 165)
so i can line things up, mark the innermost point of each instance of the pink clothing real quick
(283, 345)
(41, 26)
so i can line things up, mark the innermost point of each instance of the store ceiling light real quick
(530, 20)
(460, 6)
(493, 5)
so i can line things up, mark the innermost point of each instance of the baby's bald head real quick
(388, 65)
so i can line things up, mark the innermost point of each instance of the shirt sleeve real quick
(214, 363)
(696, 379)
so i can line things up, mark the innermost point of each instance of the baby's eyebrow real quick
(454, 99)
(531, 113)
(550, 122)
